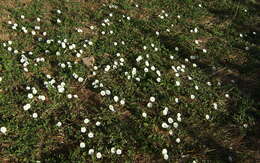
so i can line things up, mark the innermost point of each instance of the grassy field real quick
(129, 81)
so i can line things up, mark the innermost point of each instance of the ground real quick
(129, 81)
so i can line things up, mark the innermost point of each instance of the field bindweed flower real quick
(165, 111)
(175, 125)
(90, 135)
(118, 151)
(58, 21)
(35, 115)
(42, 97)
(99, 155)
(69, 96)
(113, 150)
(170, 120)
(192, 97)
(3, 130)
(111, 107)
(122, 102)
(59, 124)
(149, 104)
(83, 129)
(30, 95)
(80, 79)
(26, 107)
(86, 120)
(164, 151)
(91, 151)
(165, 125)
(178, 140)
(166, 157)
(82, 145)
(144, 114)
(98, 123)
(177, 83)
(152, 99)
(207, 117)
(116, 99)
(215, 106)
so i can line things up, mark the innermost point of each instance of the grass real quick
(158, 67)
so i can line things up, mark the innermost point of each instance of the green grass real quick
(228, 132)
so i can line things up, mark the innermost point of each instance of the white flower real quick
(227, 95)
(196, 87)
(192, 97)
(90, 135)
(61, 89)
(215, 105)
(164, 151)
(177, 83)
(41, 97)
(179, 119)
(170, 120)
(152, 99)
(98, 155)
(118, 151)
(113, 150)
(83, 129)
(58, 11)
(103, 93)
(165, 125)
(158, 80)
(175, 125)
(204, 50)
(166, 157)
(30, 96)
(152, 68)
(144, 114)
(122, 102)
(82, 145)
(33, 33)
(149, 104)
(59, 124)
(207, 117)
(35, 115)
(111, 107)
(26, 107)
(178, 140)
(3, 130)
(165, 111)
(116, 99)
(176, 100)
(91, 151)
(108, 92)
(22, 16)
(86, 121)
(58, 21)
(80, 79)
(245, 125)
(139, 58)
(98, 123)
(69, 96)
